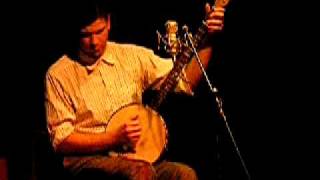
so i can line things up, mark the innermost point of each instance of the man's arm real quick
(85, 143)
(214, 22)
(193, 71)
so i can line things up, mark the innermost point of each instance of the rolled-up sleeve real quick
(59, 112)
(158, 68)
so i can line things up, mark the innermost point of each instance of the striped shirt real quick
(83, 98)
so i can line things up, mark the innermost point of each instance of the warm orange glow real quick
(3, 169)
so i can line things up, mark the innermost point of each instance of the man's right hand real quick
(128, 134)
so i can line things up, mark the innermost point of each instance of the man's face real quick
(94, 36)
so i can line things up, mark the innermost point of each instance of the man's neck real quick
(86, 59)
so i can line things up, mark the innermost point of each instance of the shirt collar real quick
(106, 57)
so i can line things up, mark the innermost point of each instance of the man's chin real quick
(97, 55)
(94, 54)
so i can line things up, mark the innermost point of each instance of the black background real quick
(259, 67)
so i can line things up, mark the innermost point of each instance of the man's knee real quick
(186, 172)
(143, 171)
(171, 170)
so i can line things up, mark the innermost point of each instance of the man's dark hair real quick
(80, 13)
(90, 10)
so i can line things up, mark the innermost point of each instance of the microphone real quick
(185, 29)
(186, 35)
(173, 42)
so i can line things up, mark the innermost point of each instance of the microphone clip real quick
(171, 41)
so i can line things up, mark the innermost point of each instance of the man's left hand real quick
(214, 18)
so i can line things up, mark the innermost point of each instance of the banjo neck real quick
(182, 60)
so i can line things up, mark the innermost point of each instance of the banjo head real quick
(153, 139)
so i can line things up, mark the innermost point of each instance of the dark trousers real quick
(103, 168)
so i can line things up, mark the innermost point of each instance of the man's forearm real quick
(85, 143)
(193, 71)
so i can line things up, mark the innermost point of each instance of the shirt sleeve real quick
(156, 70)
(59, 112)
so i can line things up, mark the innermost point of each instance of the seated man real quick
(85, 90)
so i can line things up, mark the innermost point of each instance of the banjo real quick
(153, 139)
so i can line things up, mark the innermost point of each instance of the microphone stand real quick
(218, 100)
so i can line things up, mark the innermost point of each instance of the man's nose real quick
(93, 39)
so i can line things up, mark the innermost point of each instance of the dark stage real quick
(253, 80)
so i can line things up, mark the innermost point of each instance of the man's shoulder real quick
(64, 62)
